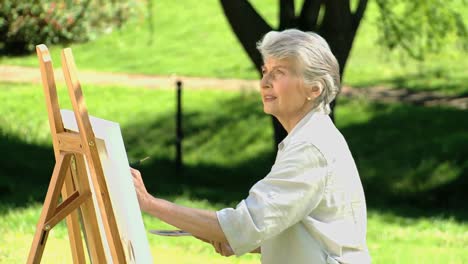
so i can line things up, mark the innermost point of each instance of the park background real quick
(412, 155)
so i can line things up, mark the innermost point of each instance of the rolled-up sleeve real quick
(291, 190)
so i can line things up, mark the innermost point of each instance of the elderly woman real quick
(310, 208)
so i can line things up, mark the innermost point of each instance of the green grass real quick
(391, 239)
(394, 239)
(197, 41)
(18, 227)
(412, 162)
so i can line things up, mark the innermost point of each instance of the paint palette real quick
(170, 233)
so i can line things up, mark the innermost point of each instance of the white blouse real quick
(310, 208)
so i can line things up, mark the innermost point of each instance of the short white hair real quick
(319, 66)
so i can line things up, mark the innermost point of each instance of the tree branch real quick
(286, 14)
(309, 14)
(248, 26)
(338, 9)
(359, 13)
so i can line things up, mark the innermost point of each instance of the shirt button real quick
(281, 146)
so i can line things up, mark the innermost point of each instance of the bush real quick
(24, 24)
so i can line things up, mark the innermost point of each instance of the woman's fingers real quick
(222, 248)
(135, 173)
(137, 180)
(227, 250)
(140, 188)
(216, 247)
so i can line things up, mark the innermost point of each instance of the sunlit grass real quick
(18, 226)
(391, 239)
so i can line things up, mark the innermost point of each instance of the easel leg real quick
(88, 211)
(50, 203)
(73, 224)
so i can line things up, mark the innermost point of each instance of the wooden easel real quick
(73, 152)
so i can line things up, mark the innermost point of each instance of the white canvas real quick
(121, 189)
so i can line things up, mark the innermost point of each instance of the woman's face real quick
(282, 89)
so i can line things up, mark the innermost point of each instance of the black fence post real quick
(179, 134)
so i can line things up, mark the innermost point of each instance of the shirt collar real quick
(296, 128)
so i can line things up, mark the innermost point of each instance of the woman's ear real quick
(313, 91)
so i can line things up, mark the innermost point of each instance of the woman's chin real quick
(267, 110)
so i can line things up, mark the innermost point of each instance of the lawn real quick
(391, 239)
(196, 40)
(412, 162)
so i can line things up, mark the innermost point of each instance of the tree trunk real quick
(248, 26)
(338, 27)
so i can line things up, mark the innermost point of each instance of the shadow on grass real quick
(25, 170)
(213, 168)
(413, 160)
(413, 157)
(435, 80)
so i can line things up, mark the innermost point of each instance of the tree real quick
(338, 22)
(421, 27)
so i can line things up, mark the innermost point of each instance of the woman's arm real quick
(200, 223)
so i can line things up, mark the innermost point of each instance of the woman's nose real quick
(265, 82)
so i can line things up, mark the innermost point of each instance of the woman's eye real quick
(275, 74)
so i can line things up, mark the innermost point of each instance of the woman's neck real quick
(291, 121)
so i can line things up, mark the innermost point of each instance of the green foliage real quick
(421, 27)
(24, 24)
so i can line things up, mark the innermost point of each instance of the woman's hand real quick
(202, 223)
(222, 248)
(142, 194)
